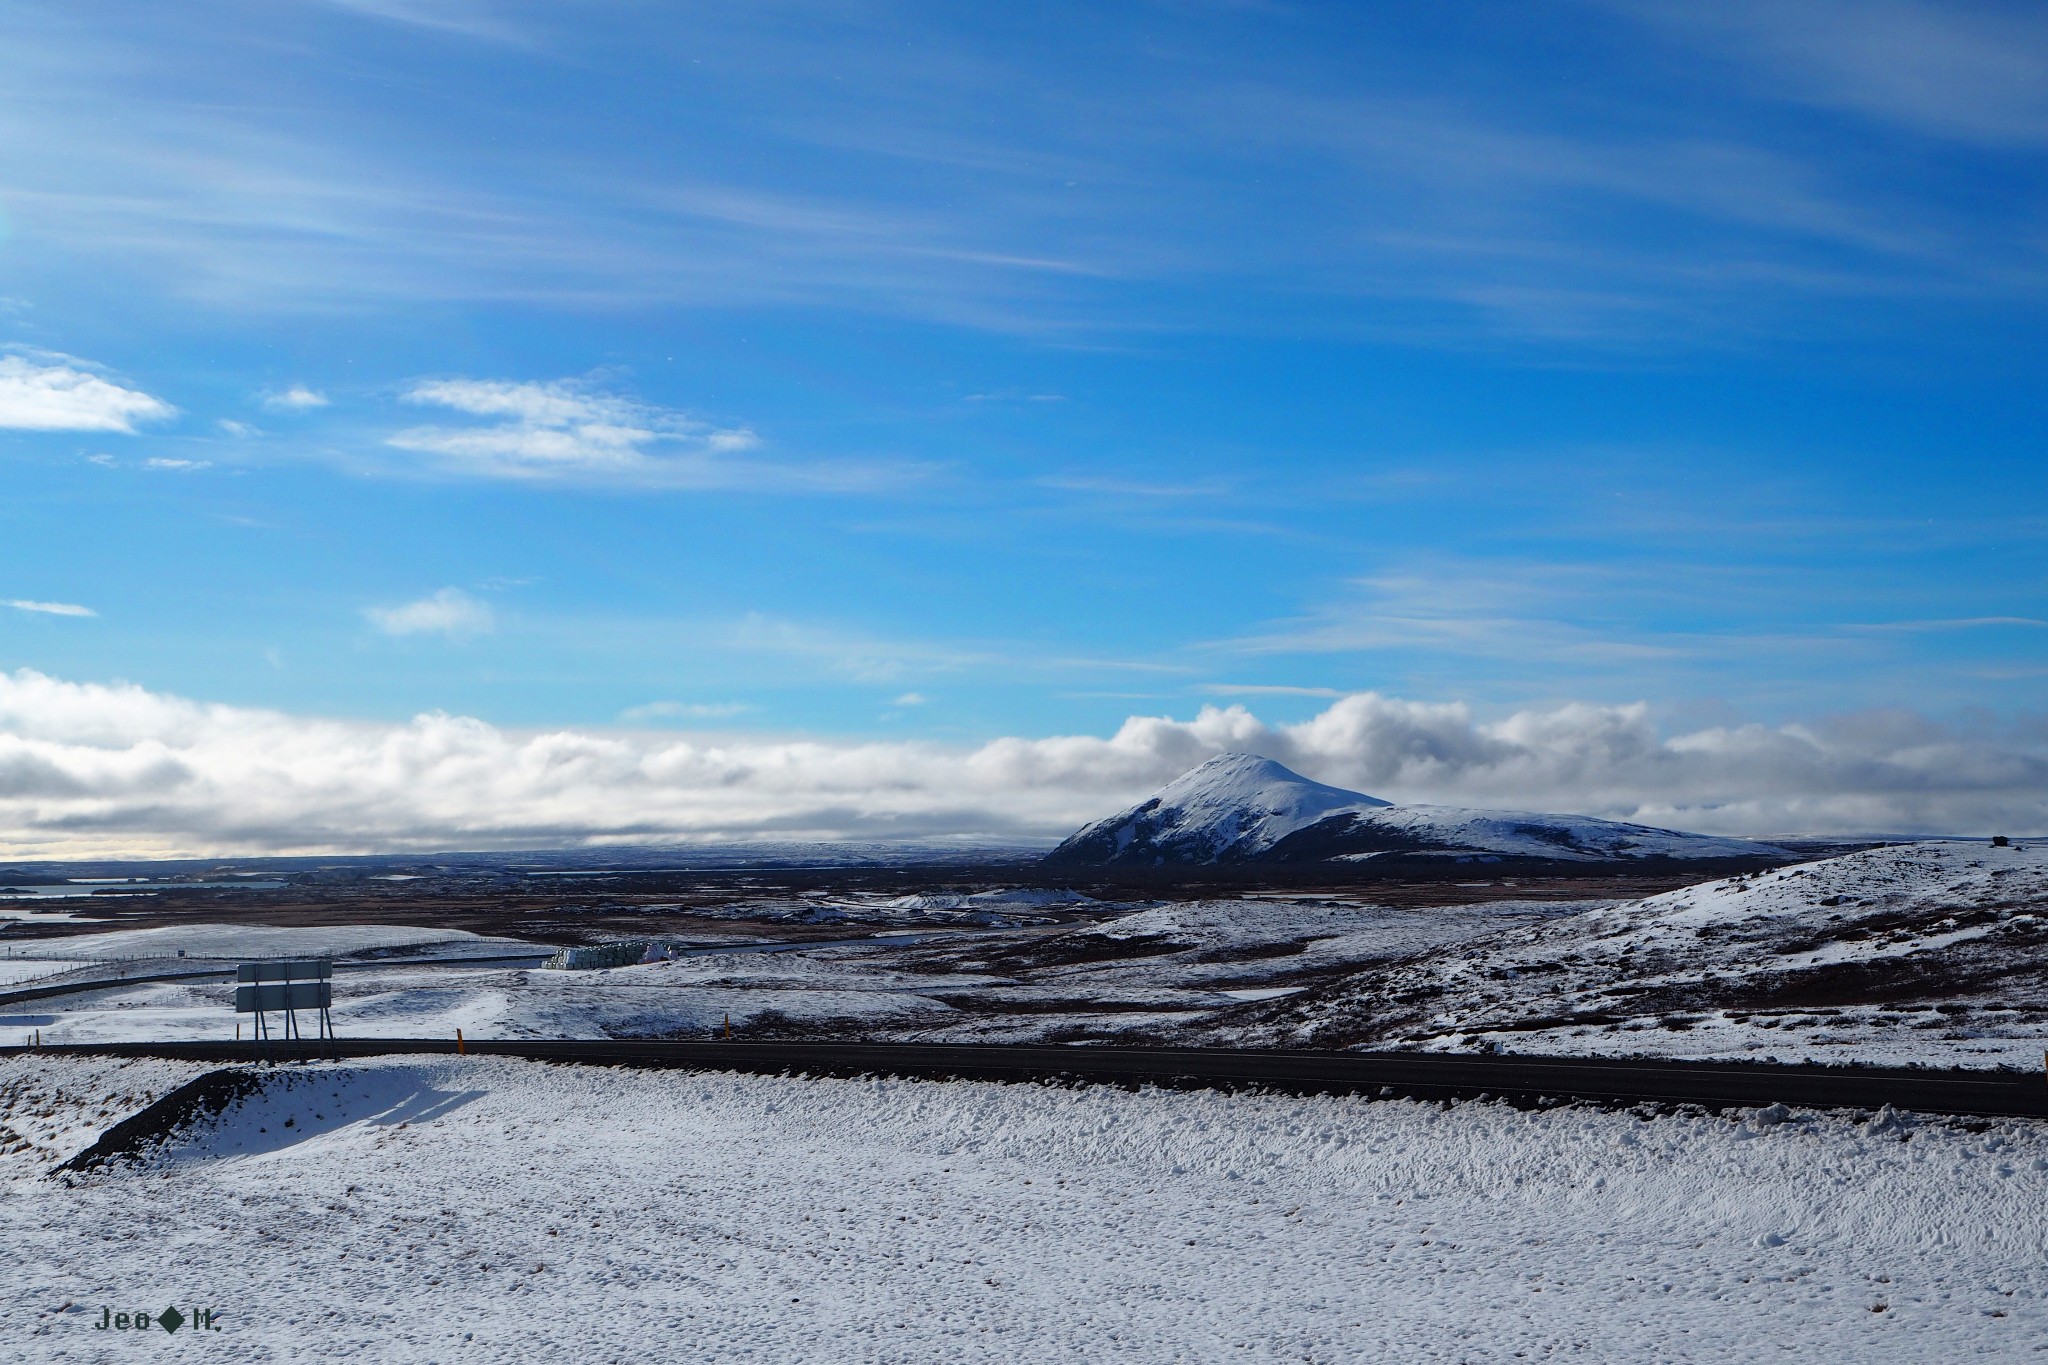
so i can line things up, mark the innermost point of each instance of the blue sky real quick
(950, 373)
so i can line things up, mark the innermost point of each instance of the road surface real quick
(1411, 1074)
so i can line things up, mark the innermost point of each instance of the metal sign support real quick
(287, 987)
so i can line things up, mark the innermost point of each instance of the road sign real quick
(305, 970)
(284, 995)
(291, 986)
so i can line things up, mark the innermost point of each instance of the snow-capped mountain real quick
(1239, 808)
(1234, 808)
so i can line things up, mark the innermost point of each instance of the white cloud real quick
(51, 608)
(558, 404)
(297, 398)
(451, 611)
(57, 393)
(911, 699)
(565, 430)
(736, 439)
(97, 768)
(239, 430)
(176, 466)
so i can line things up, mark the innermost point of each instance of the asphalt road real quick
(1413, 1075)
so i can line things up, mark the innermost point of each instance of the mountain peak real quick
(1233, 805)
(1239, 808)
(1241, 777)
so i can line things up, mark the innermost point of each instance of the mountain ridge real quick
(1242, 808)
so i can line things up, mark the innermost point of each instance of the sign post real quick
(287, 987)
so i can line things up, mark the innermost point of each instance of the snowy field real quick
(1923, 954)
(17, 971)
(1157, 967)
(496, 1210)
(234, 942)
(419, 1001)
(430, 1002)
(1931, 954)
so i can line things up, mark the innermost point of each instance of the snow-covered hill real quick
(1931, 952)
(1240, 808)
(1233, 808)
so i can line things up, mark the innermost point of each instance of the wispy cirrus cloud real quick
(49, 608)
(1134, 488)
(49, 392)
(570, 431)
(464, 18)
(1266, 690)
(1952, 623)
(866, 658)
(853, 655)
(1521, 611)
(451, 612)
(1474, 200)
(685, 710)
(561, 428)
(1974, 73)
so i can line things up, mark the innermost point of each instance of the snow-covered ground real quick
(37, 911)
(426, 1002)
(1527, 834)
(1932, 953)
(239, 941)
(1154, 968)
(1142, 975)
(495, 1210)
(15, 971)
(996, 907)
(1007, 898)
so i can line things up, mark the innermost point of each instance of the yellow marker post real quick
(728, 1025)
(461, 1048)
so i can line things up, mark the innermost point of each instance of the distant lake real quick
(120, 886)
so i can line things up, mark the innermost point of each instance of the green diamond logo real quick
(171, 1319)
